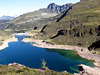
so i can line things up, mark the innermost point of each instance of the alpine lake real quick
(31, 56)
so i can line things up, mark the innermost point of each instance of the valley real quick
(73, 27)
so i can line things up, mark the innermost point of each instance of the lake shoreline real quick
(13, 39)
(5, 43)
(81, 51)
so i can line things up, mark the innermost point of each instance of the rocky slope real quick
(35, 19)
(79, 25)
(54, 8)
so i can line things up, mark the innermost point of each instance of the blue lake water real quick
(31, 56)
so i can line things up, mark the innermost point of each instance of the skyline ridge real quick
(19, 7)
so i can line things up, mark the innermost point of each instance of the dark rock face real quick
(57, 8)
(43, 28)
(98, 30)
(35, 28)
(61, 32)
(80, 68)
(95, 45)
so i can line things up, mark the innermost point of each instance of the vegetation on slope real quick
(79, 26)
(4, 36)
(18, 69)
(3, 23)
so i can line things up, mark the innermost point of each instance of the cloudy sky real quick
(18, 7)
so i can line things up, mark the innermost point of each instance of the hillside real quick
(33, 20)
(4, 36)
(3, 23)
(79, 26)
(18, 69)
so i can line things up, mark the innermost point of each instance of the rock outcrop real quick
(86, 70)
(54, 8)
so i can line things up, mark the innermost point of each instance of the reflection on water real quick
(70, 53)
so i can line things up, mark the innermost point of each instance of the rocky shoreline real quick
(5, 43)
(83, 52)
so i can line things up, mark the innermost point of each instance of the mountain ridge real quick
(35, 19)
(6, 17)
(80, 22)
(58, 8)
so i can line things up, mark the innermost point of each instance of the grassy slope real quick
(4, 36)
(14, 70)
(27, 22)
(3, 23)
(80, 27)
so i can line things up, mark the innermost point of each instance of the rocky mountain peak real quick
(58, 8)
(51, 6)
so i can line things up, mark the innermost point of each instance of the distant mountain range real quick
(37, 18)
(6, 17)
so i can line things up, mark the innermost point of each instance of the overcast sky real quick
(19, 7)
